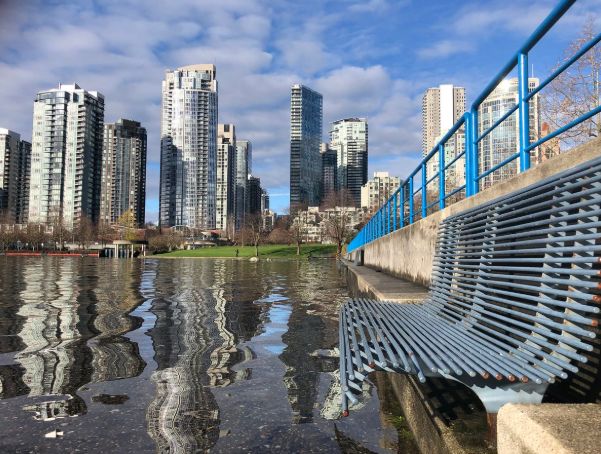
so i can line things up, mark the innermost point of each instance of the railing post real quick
(524, 114)
(441, 176)
(424, 191)
(471, 152)
(411, 200)
(388, 215)
(396, 208)
(402, 210)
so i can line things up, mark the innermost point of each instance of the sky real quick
(368, 58)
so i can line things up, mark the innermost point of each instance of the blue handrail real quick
(403, 202)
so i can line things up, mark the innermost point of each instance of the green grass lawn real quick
(267, 250)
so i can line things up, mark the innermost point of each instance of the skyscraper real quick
(503, 141)
(226, 160)
(66, 155)
(441, 108)
(243, 166)
(254, 194)
(328, 170)
(348, 137)
(189, 147)
(15, 160)
(123, 171)
(305, 140)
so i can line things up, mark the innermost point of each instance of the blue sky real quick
(371, 58)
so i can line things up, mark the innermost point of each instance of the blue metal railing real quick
(400, 209)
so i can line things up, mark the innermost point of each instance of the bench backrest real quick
(525, 267)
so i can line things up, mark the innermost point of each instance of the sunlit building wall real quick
(189, 147)
(349, 138)
(123, 171)
(503, 141)
(66, 155)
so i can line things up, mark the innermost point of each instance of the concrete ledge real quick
(384, 287)
(549, 429)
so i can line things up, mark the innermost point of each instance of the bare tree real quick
(337, 209)
(575, 91)
(6, 235)
(105, 232)
(6, 231)
(254, 226)
(84, 232)
(34, 235)
(297, 224)
(60, 232)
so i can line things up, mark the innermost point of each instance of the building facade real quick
(549, 149)
(503, 141)
(442, 106)
(243, 166)
(189, 148)
(255, 193)
(15, 161)
(306, 110)
(313, 222)
(66, 156)
(349, 139)
(123, 185)
(378, 190)
(329, 180)
(226, 175)
(264, 199)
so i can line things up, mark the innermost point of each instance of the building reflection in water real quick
(306, 334)
(195, 339)
(73, 317)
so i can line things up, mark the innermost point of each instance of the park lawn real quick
(267, 251)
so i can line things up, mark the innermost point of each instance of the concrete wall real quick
(408, 253)
(549, 429)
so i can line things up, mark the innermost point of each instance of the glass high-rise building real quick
(243, 166)
(503, 141)
(254, 194)
(328, 170)
(66, 156)
(189, 148)
(349, 138)
(305, 138)
(123, 171)
(226, 174)
(15, 161)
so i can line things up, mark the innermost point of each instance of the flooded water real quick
(101, 355)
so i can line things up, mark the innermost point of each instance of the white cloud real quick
(445, 48)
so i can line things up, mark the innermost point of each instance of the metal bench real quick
(513, 304)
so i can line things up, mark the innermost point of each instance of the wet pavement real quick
(101, 355)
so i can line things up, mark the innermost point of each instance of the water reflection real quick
(172, 356)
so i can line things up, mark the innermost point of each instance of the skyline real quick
(259, 55)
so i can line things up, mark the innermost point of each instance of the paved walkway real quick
(385, 287)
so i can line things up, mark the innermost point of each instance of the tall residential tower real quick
(66, 156)
(15, 160)
(441, 108)
(189, 147)
(226, 155)
(305, 139)
(243, 166)
(123, 171)
(503, 141)
(348, 137)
